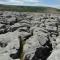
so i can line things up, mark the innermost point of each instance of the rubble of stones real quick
(29, 36)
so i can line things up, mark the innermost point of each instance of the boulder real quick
(55, 55)
(9, 43)
(30, 47)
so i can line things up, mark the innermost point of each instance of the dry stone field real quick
(29, 36)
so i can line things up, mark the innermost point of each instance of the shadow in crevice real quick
(16, 55)
(42, 53)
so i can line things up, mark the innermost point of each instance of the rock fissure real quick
(29, 36)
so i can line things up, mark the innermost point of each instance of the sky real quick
(48, 3)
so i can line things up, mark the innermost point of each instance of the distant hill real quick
(28, 9)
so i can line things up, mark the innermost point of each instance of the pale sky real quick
(49, 3)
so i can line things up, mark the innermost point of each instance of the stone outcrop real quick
(29, 36)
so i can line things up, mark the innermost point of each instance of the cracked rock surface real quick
(29, 36)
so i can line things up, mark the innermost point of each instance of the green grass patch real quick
(28, 8)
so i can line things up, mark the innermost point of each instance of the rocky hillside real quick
(29, 36)
(29, 9)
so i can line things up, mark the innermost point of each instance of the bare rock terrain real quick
(29, 36)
